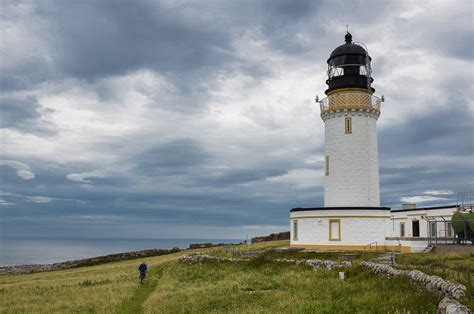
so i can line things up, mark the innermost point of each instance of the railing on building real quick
(369, 246)
(350, 100)
(443, 235)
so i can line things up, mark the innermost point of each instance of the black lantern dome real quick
(349, 67)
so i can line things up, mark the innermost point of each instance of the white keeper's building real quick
(352, 218)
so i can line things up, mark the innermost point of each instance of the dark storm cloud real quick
(441, 132)
(176, 157)
(176, 177)
(237, 176)
(445, 137)
(102, 38)
(24, 114)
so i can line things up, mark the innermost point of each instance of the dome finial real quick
(348, 36)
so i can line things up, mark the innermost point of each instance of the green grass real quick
(455, 268)
(265, 286)
(261, 285)
(133, 304)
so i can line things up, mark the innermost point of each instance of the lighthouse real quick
(350, 112)
(352, 218)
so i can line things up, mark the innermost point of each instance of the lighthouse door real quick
(416, 228)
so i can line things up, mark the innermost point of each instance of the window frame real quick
(326, 162)
(295, 229)
(449, 229)
(413, 228)
(348, 125)
(402, 228)
(338, 221)
(435, 229)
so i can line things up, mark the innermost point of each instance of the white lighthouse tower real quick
(350, 113)
(352, 218)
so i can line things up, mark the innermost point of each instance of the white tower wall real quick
(353, 176)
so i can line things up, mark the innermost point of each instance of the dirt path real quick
(134, 303)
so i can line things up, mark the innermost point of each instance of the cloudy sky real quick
(196, 119)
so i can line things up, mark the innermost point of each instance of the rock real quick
(450, 306)
(432, 283)
(432, 288)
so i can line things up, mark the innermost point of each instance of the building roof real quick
(423, 208)
(300, 209)
(348, 48)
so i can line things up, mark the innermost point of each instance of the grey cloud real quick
(24, 114)
(173, 176)
(443, 132)
(176, 157)
(22, 170)
(104, 38)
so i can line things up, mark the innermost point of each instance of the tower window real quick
(327, 165)
(433, 229)
(295, 230)
(449, 229)
(334, 230)
(348, 125)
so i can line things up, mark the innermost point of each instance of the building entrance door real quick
(416, 228)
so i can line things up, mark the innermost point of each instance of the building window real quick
(402, 229)
(348, 125)
(449, 229)
(334, 230)
(327, 165)
(416, 228)
(433, 229)
(295, 230)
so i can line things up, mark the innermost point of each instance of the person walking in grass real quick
(142, 268)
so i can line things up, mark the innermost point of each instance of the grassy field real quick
(261, 285)
(455, 268)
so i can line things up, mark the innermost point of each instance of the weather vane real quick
(347, 28)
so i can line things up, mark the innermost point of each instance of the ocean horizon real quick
(45, 250)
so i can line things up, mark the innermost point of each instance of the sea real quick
(19, 251)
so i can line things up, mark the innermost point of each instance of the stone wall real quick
(315, 263)
(432, 283)
(272, 237)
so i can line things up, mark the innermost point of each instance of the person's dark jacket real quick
(142, 268)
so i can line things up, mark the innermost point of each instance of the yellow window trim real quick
(327, 164)
(295, 234)
(339, 229)
(348, 125)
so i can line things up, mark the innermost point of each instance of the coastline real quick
(36, 268)
(16, 251)
(90, 261)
